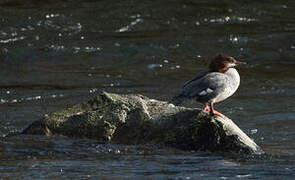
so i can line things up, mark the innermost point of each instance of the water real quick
(54, 54)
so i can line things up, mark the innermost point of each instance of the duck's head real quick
(222, 63)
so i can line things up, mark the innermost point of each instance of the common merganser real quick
(212, 86)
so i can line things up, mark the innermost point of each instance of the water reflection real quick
(111, 160)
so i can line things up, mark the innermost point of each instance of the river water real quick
(54, 54)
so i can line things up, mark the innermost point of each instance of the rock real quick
(136, 119)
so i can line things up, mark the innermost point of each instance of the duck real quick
(214, 85)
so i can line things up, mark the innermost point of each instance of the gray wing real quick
(205, 87)
(184, 94)
(200, 75)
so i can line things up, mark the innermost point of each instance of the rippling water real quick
(54, 54)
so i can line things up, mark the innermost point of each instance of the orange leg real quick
(213, 112)
(207, 108)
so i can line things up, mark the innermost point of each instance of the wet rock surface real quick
(136, 119)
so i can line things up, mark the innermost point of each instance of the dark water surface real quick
(54, 54)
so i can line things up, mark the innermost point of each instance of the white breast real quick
(232, 85)
(234, 78)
